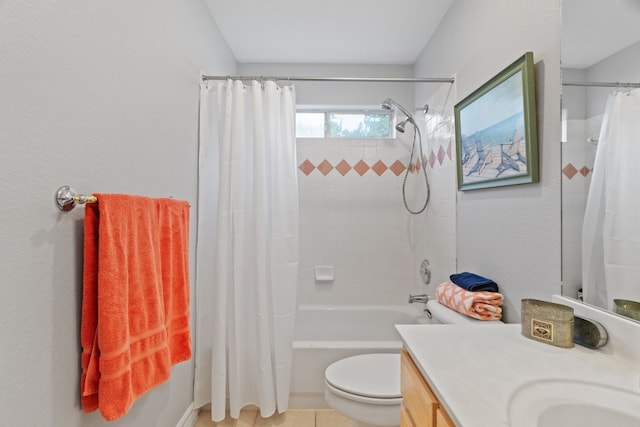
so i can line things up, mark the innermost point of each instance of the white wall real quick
(623, 66)
(102, 96)
(511, 234)
(340, 93)
(574, 98)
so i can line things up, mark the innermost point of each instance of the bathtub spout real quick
(423, 298)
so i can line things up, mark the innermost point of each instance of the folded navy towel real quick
(473, 283)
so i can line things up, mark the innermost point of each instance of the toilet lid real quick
(371, 375)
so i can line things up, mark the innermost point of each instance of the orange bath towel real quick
(173, 218)
(132, 327)
(480, 305)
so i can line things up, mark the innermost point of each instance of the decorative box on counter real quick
(548, 322)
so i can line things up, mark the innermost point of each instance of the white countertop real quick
(474, 369)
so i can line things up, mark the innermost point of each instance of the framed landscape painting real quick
(496, 130)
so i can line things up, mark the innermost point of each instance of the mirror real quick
(600, 43)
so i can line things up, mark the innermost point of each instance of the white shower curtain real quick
(247, 258)
(611, 230)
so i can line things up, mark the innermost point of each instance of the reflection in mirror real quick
(601, 154)
(627, 308)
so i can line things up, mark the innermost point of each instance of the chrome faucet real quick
(423, 298)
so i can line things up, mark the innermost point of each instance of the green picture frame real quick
(496, 130)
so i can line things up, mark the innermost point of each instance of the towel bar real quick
(67, 198)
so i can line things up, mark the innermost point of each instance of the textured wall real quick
(511, 234)
(103, 97)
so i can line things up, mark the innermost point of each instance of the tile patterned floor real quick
(291, 418)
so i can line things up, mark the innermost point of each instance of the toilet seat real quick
(367, 378)
(378, 401)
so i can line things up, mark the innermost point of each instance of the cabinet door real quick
(442, 419)
(405, 418)
(417, 397)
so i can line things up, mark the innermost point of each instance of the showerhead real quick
(400, 126)
(389, 103)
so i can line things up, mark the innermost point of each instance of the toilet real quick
(366, 387)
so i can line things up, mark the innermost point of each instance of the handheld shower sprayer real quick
(389, 104)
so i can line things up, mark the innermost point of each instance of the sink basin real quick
(570, 403)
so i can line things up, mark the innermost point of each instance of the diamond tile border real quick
(379, 167)
(397, 167)
(325, 167)
(570, 171)
(306, 167)
(343, 167)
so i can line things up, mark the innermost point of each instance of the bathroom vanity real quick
(420, 407)
(491, 375)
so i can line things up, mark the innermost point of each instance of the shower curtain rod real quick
(601, 84)
(337, 79)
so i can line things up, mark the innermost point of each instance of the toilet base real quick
(359, 424)
(364, 414)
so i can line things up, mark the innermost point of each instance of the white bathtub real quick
(325, 334)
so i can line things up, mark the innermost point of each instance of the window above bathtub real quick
(344, 122)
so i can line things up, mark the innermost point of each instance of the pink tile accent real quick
(449, 150)
(306, 167)
(325, 167)
(343, 167)
(441, 155)
(397, 167)
(361, 167)
(379, 168)
(585, 171)
(569, 171)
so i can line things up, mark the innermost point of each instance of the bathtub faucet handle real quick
(423, 298)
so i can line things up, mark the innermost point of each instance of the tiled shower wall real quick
(351, 219)
(433, 234)
(578, 155)
(352, 216)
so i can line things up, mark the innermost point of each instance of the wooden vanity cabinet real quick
(420, 407)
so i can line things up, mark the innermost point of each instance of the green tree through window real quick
(337, 123)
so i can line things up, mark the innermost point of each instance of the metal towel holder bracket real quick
(67, 198)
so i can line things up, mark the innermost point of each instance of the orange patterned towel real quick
(479, 305)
